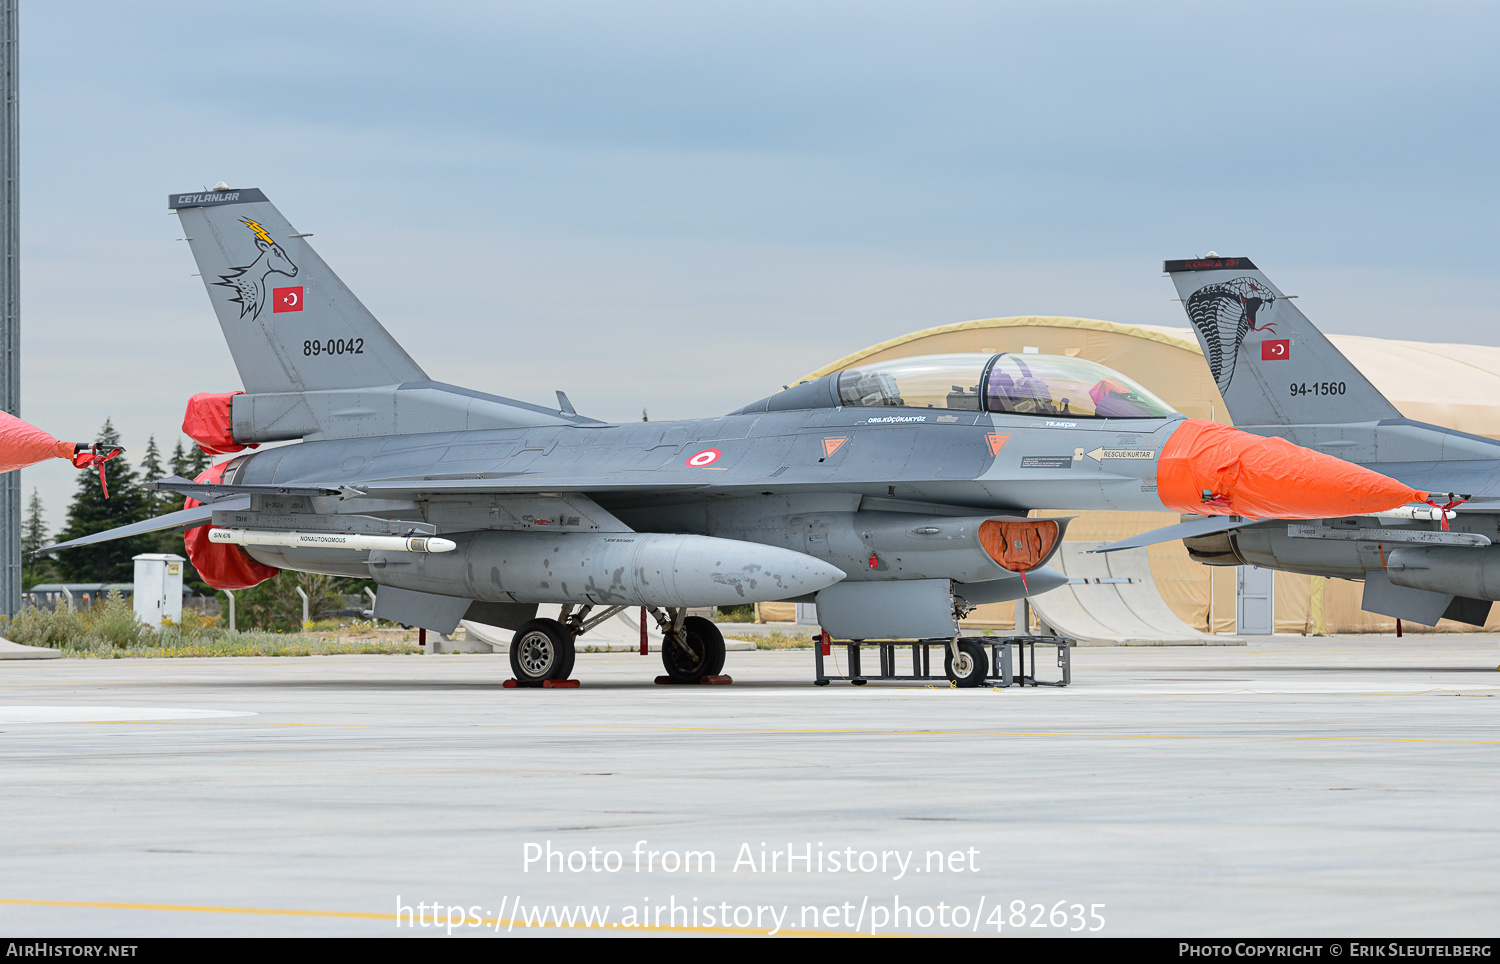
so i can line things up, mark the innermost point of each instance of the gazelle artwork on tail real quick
(249, 282)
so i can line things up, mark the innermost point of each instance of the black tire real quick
(706, 644)
(978, 668)
(541, 649)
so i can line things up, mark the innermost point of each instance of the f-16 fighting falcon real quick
(894, 495)
(1281, 378)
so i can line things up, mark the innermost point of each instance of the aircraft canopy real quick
(1018, 384)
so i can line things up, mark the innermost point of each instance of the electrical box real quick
(1255, 601)
(158, 588)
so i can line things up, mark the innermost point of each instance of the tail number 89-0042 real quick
(334, 346)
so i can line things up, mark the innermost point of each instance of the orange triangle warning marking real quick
(831, 444)
(996, 443)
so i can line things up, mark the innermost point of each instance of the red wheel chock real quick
(706, 680)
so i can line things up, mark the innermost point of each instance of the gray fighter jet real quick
(1280, 377)
(894, 495)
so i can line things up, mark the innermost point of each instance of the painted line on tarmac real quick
(1107, 736)
(195, 909)
(488, 922)
(344, 726)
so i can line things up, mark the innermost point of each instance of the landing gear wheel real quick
(706, 651)
(542, 649)
(970, 668)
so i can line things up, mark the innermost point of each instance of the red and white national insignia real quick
(286, 299)
(703, 458)
(996, 443)
(1277, 349)
(831, 444)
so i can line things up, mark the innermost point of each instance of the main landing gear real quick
(544, 649)
(692, 647)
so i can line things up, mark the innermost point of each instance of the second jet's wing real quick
(1206, 526)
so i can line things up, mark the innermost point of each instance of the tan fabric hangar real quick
(1452, 385)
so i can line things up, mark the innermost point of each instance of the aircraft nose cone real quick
(1211, 469)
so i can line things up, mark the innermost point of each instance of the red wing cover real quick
(221, 566)
(1212, 469)
(23, 444)
(208, 422)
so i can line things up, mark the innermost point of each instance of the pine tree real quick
(34, 569)
(151, 470)
(179, 461)
(91, 512)
(197, 462)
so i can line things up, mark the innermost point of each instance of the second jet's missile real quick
(328, 540)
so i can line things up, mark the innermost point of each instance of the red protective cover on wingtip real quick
(23, 444)
(221, 566)
(209, 422)
(1266, 478)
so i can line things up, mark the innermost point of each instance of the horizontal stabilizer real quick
(1206, 526)
(181, 519)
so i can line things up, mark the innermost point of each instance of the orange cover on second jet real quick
(1266, 478)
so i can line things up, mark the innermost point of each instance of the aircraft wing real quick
(399, 488)
(517, 484)
(1206, 526)
(181, 519)
(208, 492)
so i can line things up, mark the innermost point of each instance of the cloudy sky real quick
(682, 206)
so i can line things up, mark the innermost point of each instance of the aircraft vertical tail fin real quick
(1272, 366)
(291, 324)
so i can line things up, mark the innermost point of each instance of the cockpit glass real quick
(1061, 385)
(1025, 384)
(925, 381)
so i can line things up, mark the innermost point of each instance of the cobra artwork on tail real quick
(1223, 314)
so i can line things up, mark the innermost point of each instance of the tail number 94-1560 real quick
(1317, 388)
(334, 346)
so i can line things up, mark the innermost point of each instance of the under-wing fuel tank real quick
(606, 568)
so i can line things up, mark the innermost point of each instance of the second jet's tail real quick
(1271, 365)
(291, 324)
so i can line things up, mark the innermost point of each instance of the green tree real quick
(34, 569)
(275, 606)
(197, 461)
(151, 470)
(179, 461)
(91, 512)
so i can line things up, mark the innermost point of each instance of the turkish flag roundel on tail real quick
(1277, 349)
(286, 299)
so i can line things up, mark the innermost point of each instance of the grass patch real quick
(112, 631)
(776, 639)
